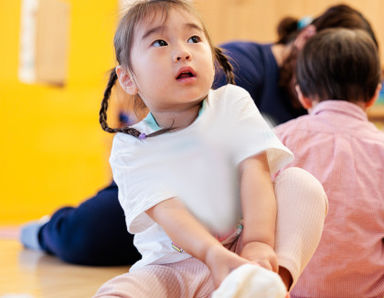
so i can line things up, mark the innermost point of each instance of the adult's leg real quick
(301, 209)
(94, 233)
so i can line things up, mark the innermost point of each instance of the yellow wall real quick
(53, 151)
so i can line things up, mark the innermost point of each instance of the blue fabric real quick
(94, 233)
(256, 70)
(151, 122)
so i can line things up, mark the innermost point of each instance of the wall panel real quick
(257, 19)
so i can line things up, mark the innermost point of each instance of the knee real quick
(92, 244)
(298, 184)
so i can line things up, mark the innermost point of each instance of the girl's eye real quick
(194, 39)
(159, 43)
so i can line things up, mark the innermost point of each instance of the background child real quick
(338, 75)
(166, 60)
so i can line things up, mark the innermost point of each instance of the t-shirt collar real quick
(152, 123)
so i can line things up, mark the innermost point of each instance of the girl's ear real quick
(305, 101)
(126, 81)
(370, 102)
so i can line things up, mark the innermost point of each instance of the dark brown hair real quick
(287, 30)
(138, 12)
(337, 16)
(346, 17)
(339, 64)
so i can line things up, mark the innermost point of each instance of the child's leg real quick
(302, 206)
(188, 278)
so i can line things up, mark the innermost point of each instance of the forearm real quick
(184, 230)
(258, 201)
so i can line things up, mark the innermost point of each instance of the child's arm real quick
(259, 212)
(194, 238)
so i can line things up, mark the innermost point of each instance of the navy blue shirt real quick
(256, 70)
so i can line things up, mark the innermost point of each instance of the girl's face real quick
(172, 63)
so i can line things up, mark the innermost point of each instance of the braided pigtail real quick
(223, 61)
(104, 108)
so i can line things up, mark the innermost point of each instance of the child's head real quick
(291, 34)
(165, 57)
(338, 16)
(343, 16)
(338, 64)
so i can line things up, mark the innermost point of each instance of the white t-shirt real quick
(198, 165)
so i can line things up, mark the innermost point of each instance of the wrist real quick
(257, 243)
(212, 254)
(265, 235)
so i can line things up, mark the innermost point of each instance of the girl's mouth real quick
(185, 73)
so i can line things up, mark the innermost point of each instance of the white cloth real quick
(251, 281)
(198, 165)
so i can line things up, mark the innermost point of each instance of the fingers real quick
(265, 264)
(270, 264)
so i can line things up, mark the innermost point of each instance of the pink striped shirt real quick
(341, 148)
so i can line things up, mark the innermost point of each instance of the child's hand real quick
(221, 262)
(261, 254)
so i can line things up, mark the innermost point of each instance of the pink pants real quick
(301, 209)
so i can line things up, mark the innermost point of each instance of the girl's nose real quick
(183, 57)
(182, 54)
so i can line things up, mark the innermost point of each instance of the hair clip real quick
(304, 22)
(142, 136)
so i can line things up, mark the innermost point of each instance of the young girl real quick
(166, 59)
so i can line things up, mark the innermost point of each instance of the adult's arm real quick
(248, 61)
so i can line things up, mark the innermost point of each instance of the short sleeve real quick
(135, 175)
(251, 134)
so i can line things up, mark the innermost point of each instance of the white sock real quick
(251, 281)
